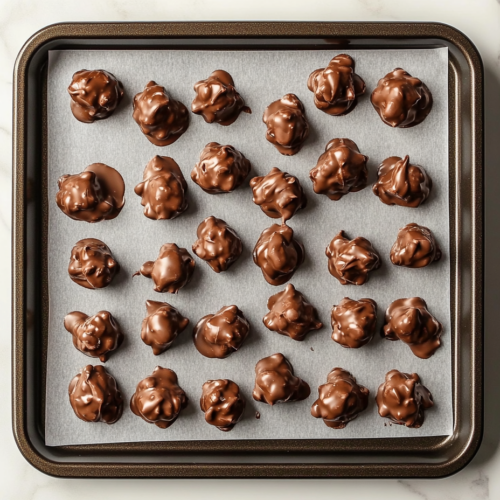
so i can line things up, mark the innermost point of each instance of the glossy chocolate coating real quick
(336, 88)
(161, 119)
(158, 399)
(410, 321)
(287, 125)
(350, 261)
(341, 169)
(217, 244)
(415, 247)
(278, 194)
(276, 383)
(94, 395)
(94, 95)
(340, 400)
(401, 183)
(221, 169)
(222, 403)
(217, 100)
(278, 254)
(219, 335)
(163, 189)
(95, 336)
(401, 100)
(91, 264)
(98, 193)
(402, 398)
(291, 315)
(171, 271)
(161, 326)
(354, 322)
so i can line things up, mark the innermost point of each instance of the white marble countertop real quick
(479, 20)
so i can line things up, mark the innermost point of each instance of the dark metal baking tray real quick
(397, 457)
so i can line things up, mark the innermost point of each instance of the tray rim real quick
(240, 30)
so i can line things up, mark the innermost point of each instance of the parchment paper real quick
(261, 77)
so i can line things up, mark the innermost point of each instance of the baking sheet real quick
(261, 77)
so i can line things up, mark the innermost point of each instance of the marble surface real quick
(480, 20)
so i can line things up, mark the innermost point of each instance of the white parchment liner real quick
(261, 77)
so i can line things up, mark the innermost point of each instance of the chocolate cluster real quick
(278, 194)
(222, 403)
(354, 322)
(291, 315)
(337, 87)
(340, 400)
(91, 264)
(96, 194)
(278, 254)
(341, 169)
(351, 261)
(276, 383)
(163, 189)
(287, 125)
(95, 336)
(161, 326)
(402, 398)
(401, 100)
(221, 169)
(410, 321)
(94, 95)
(94, 395)
(401, 183)
(171, 271)
(217, 100)
(217, 244)
(415, 246)
(219, 335)
(158, 399)
(161, 119)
